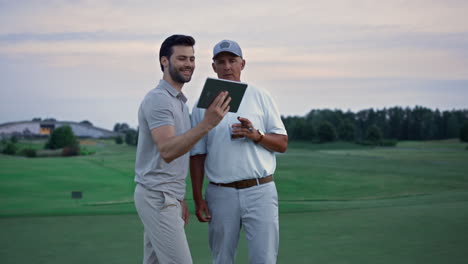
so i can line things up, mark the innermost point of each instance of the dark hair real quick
(166, 49)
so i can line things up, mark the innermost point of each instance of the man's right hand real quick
(202, 211)
(217, 110)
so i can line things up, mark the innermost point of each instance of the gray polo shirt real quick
(163, 105)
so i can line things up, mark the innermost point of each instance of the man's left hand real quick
(245, 129)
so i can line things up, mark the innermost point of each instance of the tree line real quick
(396, 123)
(370, 126)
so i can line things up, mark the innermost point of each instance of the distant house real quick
(38, 128)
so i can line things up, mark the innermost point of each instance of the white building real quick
(45, 128)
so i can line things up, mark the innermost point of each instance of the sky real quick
(77, 60)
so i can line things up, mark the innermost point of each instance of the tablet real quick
(213, 87)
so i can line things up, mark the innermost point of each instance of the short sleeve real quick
(200, 146)
(274, 124)
(158, 111)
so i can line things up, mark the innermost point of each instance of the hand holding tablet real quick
(213, 87)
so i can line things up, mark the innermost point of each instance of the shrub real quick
(69, 151)
(388, 142)
(47, 153)
(383, 143)
(86, 152)
(14, 139)
(10, 149)
(118, 140)
(62, 137)
(29, 152)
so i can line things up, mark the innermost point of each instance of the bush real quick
(48, 153)
(29, 152)
(118, 140)
(86, 152)
(10, 149)
(389, 143)
(326, 132)
(62, 137)
(69, 151)
(14, 139)
(383, 143)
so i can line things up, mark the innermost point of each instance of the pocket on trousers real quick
(169, 202)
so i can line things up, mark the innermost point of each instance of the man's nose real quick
(189, 63)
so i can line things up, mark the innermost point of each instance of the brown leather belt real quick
(246, 183)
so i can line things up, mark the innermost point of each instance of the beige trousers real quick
(164, 236)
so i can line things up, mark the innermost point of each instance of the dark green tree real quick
(131, 137)
(62, 137)
(395, 122)
(326, 132)
(118, 140)
(464, 132)
(86, 122)
(374, 135)
(347, 130)
(453, 127)
(121, 127)
(10, 149)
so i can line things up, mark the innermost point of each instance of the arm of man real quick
(197, 171)
(273, 142)
(171, 146)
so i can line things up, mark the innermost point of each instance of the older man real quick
(239, 167)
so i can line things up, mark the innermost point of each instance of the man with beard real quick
(162, 158)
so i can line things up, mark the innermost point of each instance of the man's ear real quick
(164, 62)
(243, 64)
(214, 67)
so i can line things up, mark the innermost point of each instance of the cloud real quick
(101, 55)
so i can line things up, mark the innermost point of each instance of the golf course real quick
(339, 203)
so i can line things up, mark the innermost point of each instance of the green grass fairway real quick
(339, 203)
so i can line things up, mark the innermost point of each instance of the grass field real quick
(339, 203)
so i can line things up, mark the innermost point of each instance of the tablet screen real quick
(213, 87)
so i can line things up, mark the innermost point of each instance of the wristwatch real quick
(262, 135)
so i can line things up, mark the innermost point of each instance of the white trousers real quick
(164, 237)
(256, 210)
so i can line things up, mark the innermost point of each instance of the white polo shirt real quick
(233, 160)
